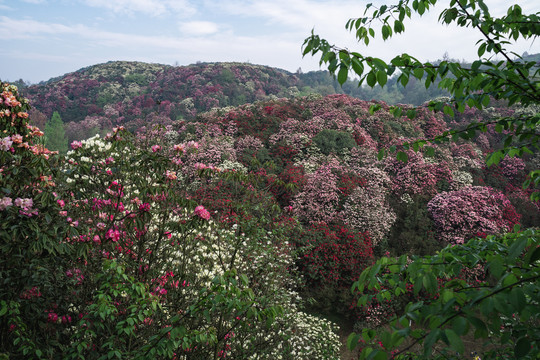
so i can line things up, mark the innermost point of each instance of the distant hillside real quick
(134, 93)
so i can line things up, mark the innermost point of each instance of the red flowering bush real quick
(331, 259)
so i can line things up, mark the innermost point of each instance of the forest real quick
(229, 210)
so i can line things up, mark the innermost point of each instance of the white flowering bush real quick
(163, 271)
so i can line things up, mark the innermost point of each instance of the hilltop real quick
(135, 94)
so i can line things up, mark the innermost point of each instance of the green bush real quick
(333, 141)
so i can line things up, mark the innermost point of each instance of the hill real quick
(134, 94)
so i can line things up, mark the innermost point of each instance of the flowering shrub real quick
(331, 259)
(367, 209)
(32, 254)
(318, 202)
(461, 214)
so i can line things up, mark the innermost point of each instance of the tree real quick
(512, 79)
(55, 134)
(445, 301)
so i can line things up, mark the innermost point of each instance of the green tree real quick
(502, 307)
(55, 134)
(512, 79)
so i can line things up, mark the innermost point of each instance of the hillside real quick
(252, 218)
(134, 94)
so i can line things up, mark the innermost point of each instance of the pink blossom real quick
(5, 143)
(178, 148)
(53, 317)
(76, 144)
(25, 204)
(156, 148)
(61, 203)
(5, 202)
(17, 139)
(144, 207)
(171, 175)
(202, 212)
(114, 235)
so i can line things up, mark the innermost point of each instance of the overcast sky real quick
(48, 38)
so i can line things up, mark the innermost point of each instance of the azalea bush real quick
(476, 210)
(331, 257)
(34, 255)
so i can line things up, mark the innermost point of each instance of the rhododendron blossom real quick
(5, 202)
(201, 212)
(5, 143)
(76, 144)
(460, 215)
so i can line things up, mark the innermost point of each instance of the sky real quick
(42, 39)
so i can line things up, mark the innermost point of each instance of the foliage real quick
(501, 310)
(514, 80)
(55, 134)
(332, 141)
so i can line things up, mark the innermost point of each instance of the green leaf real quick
(382, 78)
(342, 74)
(455, 341)
(517, 298)
(411, 113)
(371, 79)
(522, 348)
(430, 340)
(352, 341)
(496, 266)
(357, 66)
(460, 325)
(448, 110)
(402, 156)
(516, 248)
(535, 255)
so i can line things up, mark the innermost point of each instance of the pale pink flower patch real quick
(76, 144)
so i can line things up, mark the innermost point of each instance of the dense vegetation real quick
(245, 209)
(185, 223)
(97, 98)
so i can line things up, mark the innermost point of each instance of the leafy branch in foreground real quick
(513, 80)
(503, 310)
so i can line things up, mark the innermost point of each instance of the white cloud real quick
(35, 1)
(199, 28)
(149, 7)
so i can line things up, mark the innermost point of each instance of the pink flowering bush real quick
(32, 250)
(462, 214)
(318, 202)
(367, 208)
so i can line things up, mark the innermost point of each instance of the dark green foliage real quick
(413, 231)
(55, 134)
(333, 141)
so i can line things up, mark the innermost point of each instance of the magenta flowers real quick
(201, 212)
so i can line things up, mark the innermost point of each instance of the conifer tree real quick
(55, 135)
